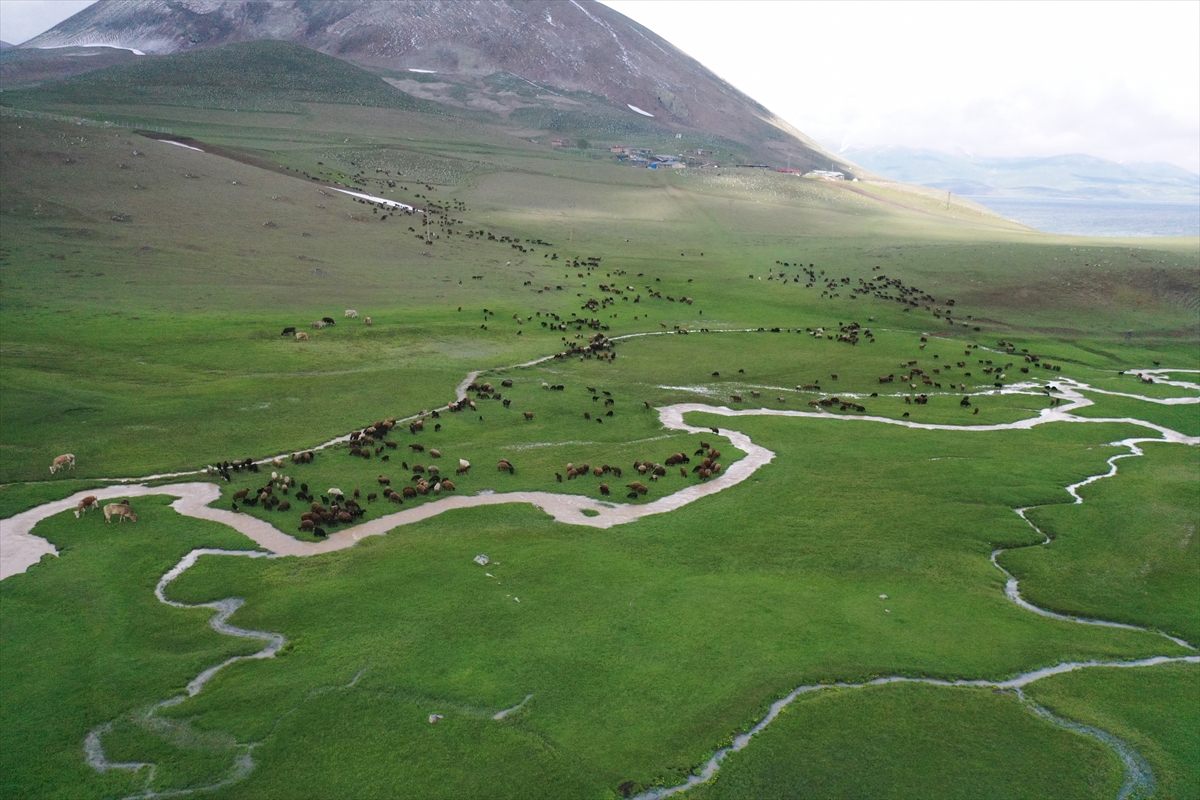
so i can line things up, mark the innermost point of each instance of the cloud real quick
(1115, 80)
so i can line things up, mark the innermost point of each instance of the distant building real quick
(826, 174)
(790, 171)
(557, 143)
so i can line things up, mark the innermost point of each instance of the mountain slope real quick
(576, 46)
(257, 76)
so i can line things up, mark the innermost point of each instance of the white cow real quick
(66, 461)
(351, 313)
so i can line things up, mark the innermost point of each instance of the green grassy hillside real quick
(250, 76)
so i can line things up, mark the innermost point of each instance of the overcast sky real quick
(1112, 79)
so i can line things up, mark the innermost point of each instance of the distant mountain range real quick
(576, 68)
(1067, 176)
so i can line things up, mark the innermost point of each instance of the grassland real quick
(141, 315)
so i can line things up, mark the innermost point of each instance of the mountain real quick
(574, 67)
(1066, 176)
(5, 45)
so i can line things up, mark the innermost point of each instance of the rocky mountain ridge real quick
(558, 47)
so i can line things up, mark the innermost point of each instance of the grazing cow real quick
(121, 510)
(288, 330)
(328, 320)
(301, 336)
(417, 448)
(367, 321)
(319, 532)
(318, 324)
(737, 398)
(528, 415)
(285, 506)
(435, 453)
(604, 490)
(306, 525)
(408, 491)
(83, 505)
(447, 485)
(351, 313)
(240, 494)
(66, 461)
(505, 464)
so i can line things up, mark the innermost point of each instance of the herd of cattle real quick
(323, 322)
(334, 507)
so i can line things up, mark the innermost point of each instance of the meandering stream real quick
(19, 549)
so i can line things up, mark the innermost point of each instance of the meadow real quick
(142, 299)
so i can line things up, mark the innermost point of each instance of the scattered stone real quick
(481, 560)
(883, 597)
(435, 718)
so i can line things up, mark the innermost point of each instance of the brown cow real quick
(528, 415)
(83, 505)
